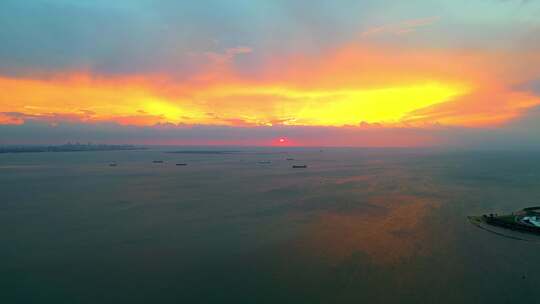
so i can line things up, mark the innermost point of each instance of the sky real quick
(243, 72)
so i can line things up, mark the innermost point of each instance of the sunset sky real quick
(308, 72)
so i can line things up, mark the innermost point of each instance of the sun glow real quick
(342, 107)
(153, 106)
(136, 102)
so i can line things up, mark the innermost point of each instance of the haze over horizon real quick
(313, 73)
(269, 151)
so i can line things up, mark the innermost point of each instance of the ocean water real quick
(357, 225)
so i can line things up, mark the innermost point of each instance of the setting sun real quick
(269, 151)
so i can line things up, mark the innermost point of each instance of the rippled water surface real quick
(241, 225)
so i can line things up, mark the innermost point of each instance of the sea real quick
(241, 225)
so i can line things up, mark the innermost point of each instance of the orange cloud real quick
(10, 119)
(348, 86)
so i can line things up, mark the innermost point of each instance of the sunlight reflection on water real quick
(352, 225)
